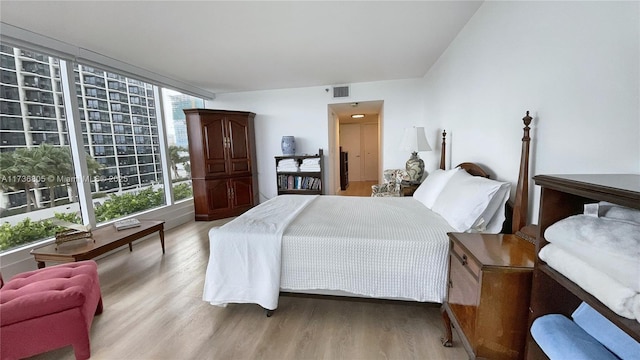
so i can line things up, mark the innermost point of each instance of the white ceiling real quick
(225, 46)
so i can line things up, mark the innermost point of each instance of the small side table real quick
(488, 294)
(408, 188)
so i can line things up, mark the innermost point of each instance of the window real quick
(120, 175)
(37, 179)
(11, 123)
(120, 134)
(174, 103)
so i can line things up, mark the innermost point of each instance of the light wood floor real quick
(358, 188)
(153, 309)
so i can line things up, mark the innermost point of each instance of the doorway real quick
(358, 139)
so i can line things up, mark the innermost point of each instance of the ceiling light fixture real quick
(357, 116)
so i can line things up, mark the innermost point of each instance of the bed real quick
(374, 247)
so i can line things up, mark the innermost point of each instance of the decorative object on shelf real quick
(288, 145)
(414, 140)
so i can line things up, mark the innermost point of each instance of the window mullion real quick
(76, 142)
(164, 148)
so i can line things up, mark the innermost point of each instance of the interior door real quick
(370, 151)
(350, 142)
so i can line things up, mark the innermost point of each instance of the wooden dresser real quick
(488, 295)
(562, 196)
(223, 162)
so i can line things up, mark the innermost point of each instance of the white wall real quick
(303, 113)
(574, 65)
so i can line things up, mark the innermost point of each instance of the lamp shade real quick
(414, 140)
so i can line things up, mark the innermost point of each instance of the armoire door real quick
(214, 136)
(239, 159)
(218, 195)
(242, 192)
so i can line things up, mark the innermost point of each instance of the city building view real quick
(119, 120)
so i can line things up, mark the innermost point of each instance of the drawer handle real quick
(464, 259)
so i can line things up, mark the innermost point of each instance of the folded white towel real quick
(614, 211)
(309, 167)
(610, 245)
(287, 162)
(617, 297)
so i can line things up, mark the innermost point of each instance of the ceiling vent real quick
(340, 91)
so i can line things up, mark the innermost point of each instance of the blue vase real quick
(288, 145)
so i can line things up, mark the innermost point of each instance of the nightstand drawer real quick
(466, 260)
(463, 286)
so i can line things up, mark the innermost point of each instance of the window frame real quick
(75, 120)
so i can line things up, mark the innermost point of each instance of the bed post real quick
(521, 204)
(444, 149)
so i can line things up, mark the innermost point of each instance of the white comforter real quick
(375, 247)
(244, 259)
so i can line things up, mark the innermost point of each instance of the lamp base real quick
(415, 168)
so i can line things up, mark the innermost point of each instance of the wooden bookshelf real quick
(300, 182)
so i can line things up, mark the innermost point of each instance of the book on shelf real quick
(126, 224)
(290, 182)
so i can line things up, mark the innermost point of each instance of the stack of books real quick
(126, 224)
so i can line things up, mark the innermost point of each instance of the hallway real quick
(358, 188)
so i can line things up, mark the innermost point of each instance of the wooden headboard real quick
(518, 217)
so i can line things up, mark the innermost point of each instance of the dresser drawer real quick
(465, 259)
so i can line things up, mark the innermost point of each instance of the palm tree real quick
(54, 166)
(176, 156)
(51, 165)
(23, 166)
(8, 175)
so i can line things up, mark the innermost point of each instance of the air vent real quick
(340, 91)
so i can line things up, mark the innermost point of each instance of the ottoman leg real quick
(99, 307)
(82, 350)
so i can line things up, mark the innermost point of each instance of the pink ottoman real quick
(49, 308)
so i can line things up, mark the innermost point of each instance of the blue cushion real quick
(603, 330)
(561, 338)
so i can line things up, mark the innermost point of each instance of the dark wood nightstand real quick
(488, 295)
(408, 188)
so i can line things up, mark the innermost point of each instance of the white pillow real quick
(466, 201)
(495, 211)
(432, 186)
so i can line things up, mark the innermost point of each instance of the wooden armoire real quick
(223, 162)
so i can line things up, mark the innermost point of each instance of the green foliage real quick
(28, 231)
(27, 168)
(117, 206)
(120, 205)
(182, 191)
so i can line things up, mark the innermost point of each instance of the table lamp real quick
(414, 140)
